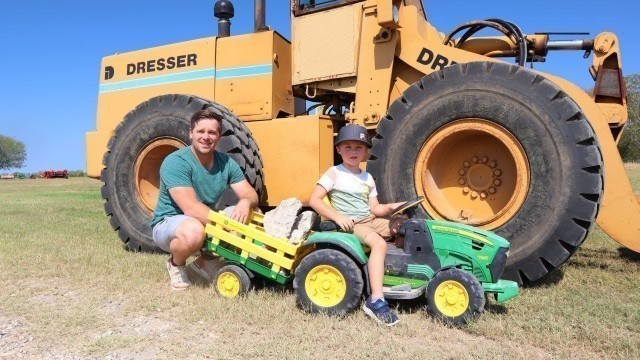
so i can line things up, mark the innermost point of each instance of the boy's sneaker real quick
(380, 312)
(178, 276)
(204, 267)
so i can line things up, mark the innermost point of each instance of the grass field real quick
(70, 290)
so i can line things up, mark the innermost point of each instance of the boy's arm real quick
(316, 202)
(381, 210)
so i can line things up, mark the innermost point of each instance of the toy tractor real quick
(452, 265)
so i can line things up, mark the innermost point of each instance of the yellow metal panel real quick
(375, 69)
(296, 152)
(129, 79)
(325, 44)
(283, 100)
(253, 75)
(96, 144)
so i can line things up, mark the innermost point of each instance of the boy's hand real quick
(345, 222)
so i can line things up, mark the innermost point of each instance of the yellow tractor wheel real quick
(455, 296)
(328, 281)
(142, 141)
(499, 147)
(231, 281)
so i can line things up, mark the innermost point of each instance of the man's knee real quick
(191, 231)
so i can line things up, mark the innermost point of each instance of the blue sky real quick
(51, 51)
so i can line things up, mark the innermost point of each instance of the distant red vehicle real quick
(52, 174)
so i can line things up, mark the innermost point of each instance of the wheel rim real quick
(451, 298)
(325, 286)
(147, 169)
(472, 171)
(228, 284)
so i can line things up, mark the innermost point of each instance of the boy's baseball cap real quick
(355, 133)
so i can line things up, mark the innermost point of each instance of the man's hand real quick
(345, 222)
(241, 211)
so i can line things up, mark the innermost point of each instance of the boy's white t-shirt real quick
(349, 193)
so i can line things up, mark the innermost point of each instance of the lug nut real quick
(483, 195)
(466, 190)
(497, 182)
(497, 172)
(461, 172)
(492, 190)
(467, 164)
(475, 159)
(462, 182)
(493, 164)
(484, 159)
(474, 195)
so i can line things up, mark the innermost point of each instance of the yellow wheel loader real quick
(456, 118)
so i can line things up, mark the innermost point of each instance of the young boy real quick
(352, 193)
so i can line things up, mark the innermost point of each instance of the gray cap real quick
(355, 133)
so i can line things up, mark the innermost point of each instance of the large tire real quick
(442, 139)
(142, 140)
(328, 282)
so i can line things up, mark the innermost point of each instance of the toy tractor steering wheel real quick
(408, 207)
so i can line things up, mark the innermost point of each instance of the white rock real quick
(302, 226)
(279, 221)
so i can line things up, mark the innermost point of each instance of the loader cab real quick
(325, 38)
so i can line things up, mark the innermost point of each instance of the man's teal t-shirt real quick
(182, 169)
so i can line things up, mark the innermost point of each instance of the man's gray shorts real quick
(165, 230)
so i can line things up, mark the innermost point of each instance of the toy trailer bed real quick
(250, 246)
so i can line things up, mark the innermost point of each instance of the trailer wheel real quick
(231, 281)
(149, 133)
(499, 147)
(327, 281)
(455, 297)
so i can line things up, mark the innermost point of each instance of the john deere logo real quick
(108, 72)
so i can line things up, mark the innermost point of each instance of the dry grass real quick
(69, 290)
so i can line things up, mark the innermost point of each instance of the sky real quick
(50, 53)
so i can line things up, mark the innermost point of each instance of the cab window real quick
(301, 7)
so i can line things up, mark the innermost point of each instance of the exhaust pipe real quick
(259, 16)
(223, 10)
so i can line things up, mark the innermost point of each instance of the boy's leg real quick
(376, 262)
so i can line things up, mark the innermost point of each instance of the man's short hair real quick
(207, 114)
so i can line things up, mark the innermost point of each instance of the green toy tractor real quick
(452, 265)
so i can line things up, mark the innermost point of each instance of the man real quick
(192, 181)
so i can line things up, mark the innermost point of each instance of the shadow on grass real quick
(551, 279)
(628, 254)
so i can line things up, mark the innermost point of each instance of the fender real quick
(348, 243)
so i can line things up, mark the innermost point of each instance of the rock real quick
(302, 226)
(279, 221)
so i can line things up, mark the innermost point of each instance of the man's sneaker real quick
(380, 312)
(178, 276)
(204, 267)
